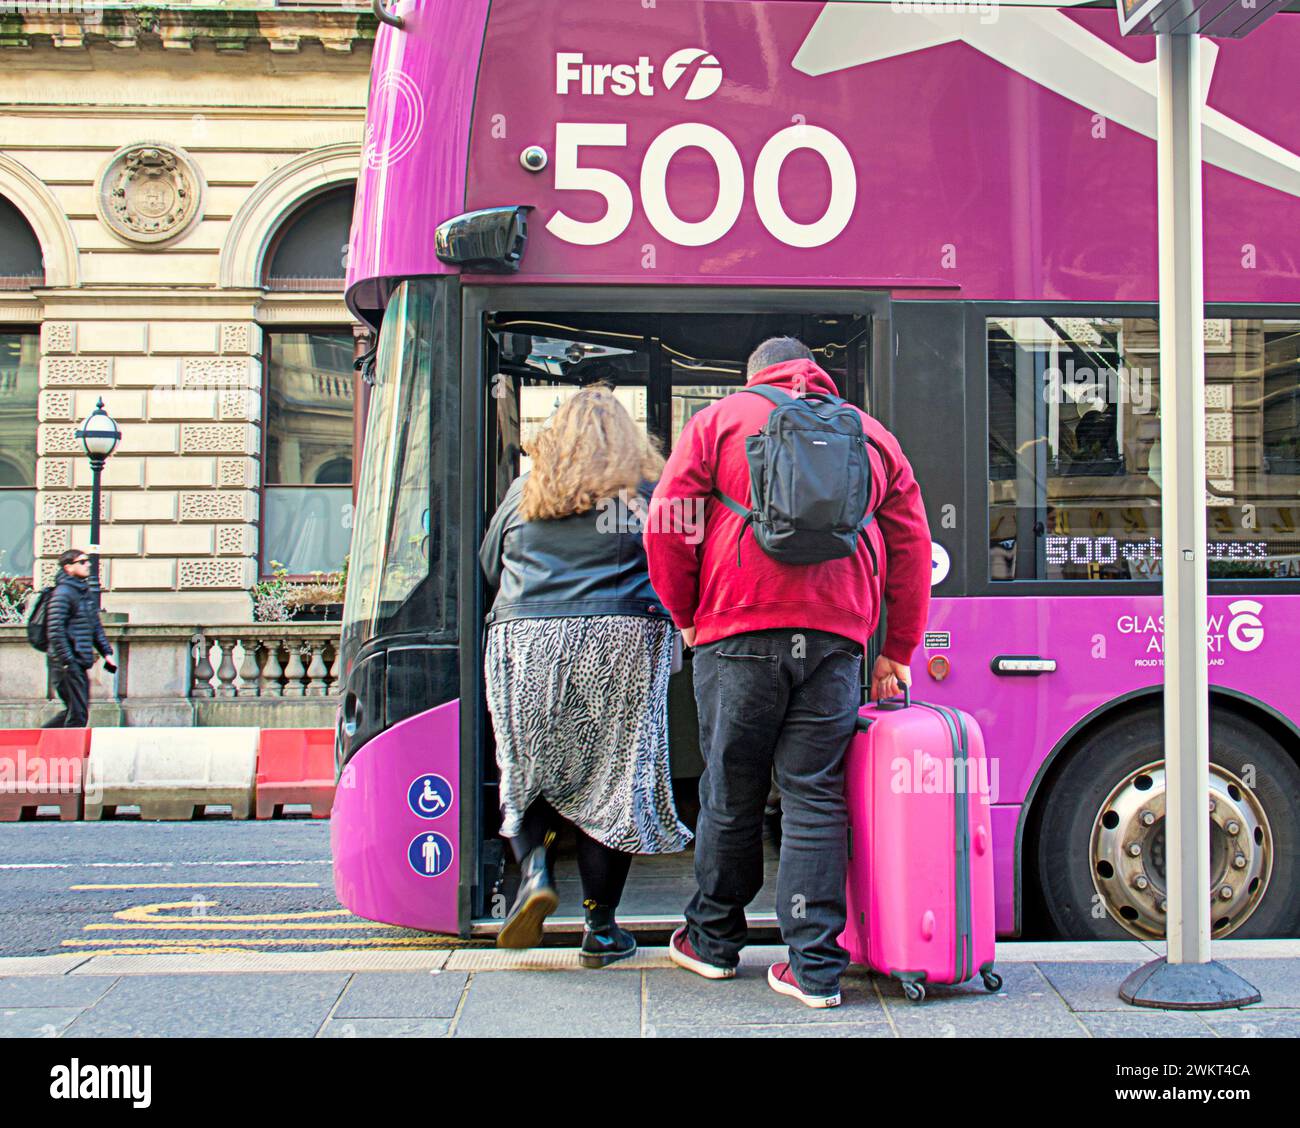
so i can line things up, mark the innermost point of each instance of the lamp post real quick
(99, 436)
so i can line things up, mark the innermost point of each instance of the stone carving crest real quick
(150, 192)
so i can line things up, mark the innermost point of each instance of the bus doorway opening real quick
(664, 367)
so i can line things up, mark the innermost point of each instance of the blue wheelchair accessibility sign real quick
(429, 796)
(430, 853)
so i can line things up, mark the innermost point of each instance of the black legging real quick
(603, 871)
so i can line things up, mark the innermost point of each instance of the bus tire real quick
(1093, 786)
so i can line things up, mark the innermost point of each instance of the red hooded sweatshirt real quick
(700, 584)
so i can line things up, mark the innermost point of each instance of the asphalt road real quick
(156, 887)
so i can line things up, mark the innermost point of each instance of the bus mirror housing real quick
(491, 240)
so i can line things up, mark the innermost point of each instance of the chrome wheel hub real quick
(1127, 852)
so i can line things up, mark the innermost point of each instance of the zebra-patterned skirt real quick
(580, 711)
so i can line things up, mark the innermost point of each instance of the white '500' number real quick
(570, 175)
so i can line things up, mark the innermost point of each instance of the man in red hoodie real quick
(778, 660)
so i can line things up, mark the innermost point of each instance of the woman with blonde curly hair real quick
(579, 651)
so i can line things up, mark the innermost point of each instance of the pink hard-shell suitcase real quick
(920, 886)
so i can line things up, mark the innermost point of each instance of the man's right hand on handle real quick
(888, 678)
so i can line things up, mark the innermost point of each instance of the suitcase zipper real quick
(963, 814)
(961, 846)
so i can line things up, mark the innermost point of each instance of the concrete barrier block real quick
(171, 773)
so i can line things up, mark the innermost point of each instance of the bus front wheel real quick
(1101, 844)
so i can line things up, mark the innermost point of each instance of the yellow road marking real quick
(202, 885)
(181, 951)
(151, 916)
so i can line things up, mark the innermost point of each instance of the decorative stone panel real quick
(1218, 397)
(56, 473)
(72, 506)
(209, 573)
(203, 438)
(216, 505)
(235, 540)
(1218, 427)
(76, 371)
(1218, 462)
(236, 337)
(205, 372)
(55, 439)
(237, 472)
(54, 540)
(58, 337)
(48, 570)
(55, 405)
(241, 404)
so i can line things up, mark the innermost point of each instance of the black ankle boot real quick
(535, 901)
(603, 942)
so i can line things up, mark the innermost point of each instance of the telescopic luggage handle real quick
(894, 703)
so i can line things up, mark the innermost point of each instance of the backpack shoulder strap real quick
(775, 396)
(731, 503)
(746, 516)
(778, 396)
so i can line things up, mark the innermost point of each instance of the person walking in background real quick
(578, 655)
(74, 633)
(778, 658)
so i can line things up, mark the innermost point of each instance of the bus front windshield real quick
(402, 573)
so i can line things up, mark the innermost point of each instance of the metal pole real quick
(1182, 446)
(1186, 978)
(96, 468)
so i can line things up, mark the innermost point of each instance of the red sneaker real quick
(683, 955)
(781, 979)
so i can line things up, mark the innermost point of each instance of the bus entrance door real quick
(664, 367)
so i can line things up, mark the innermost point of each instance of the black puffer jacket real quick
(73, 625)
(592, 563)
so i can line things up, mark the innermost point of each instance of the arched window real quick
(19, 363)
(309, 421)
(309, 252)
(21, 266)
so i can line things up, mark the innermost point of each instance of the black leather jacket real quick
(592, 563)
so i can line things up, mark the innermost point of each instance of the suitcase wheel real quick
(992, 980)
(914, 991)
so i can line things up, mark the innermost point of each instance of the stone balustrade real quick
(266, 660)
(268, 675)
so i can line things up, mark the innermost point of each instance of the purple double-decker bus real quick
(954, 205)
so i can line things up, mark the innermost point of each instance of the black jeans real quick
(783, 700)
(72, 684)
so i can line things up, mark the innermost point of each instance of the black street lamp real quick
(100, 436)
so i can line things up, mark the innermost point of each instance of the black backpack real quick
(810, 480)
(38, 633)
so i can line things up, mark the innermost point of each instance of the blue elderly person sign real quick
(430, 853)
(429, 796)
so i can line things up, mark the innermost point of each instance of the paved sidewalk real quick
(1051, 990)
